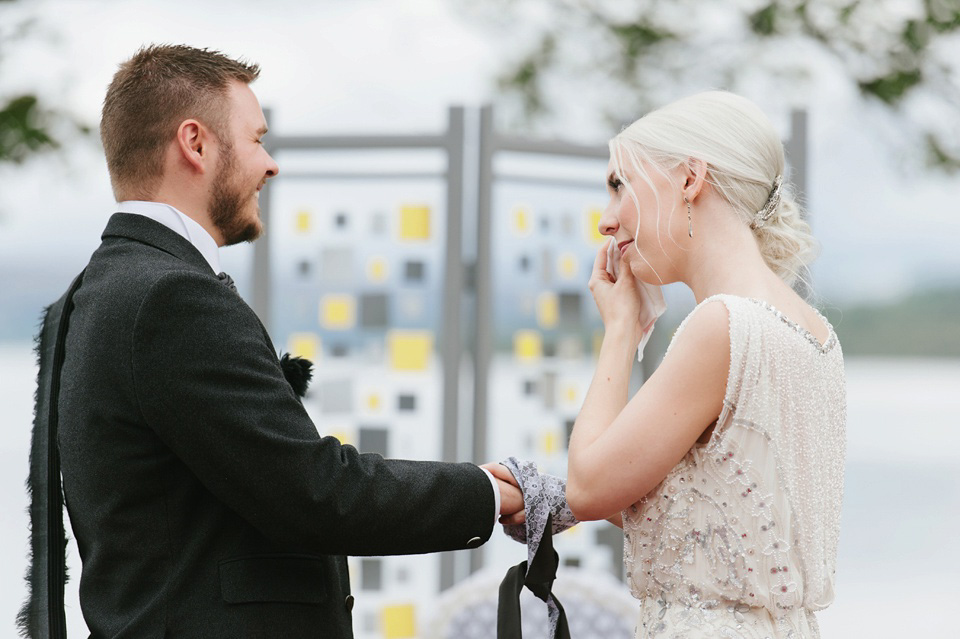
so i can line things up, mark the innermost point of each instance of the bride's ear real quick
(694, 178)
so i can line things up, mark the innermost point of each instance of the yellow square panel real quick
(303, 221)
(399, 622)
(521, 221)
(409, 350)
(570, 394)
(597, 343)
(548, 310)
(373, 402)
(527, 345)
(414, 222)
(338, 312)
(305, 345)
(377, 269)
(593, 226)
(567, 265)
(549, 443)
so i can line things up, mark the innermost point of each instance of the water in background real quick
(898, 560)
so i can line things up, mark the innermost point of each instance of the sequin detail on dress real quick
(740, 538)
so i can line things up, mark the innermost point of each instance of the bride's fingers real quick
(600, 261)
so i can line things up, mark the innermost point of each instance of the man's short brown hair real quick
(150, 95)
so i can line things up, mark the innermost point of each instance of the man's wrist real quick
(496, 494)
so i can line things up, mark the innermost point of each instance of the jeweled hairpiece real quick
(773, 200)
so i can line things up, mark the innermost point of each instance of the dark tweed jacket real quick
(203, 501)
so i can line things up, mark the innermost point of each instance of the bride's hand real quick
(618, 300)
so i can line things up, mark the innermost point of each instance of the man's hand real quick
(511, 498)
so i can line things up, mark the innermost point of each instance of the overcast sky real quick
(389, 66)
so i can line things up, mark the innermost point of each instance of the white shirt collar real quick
(178, 222)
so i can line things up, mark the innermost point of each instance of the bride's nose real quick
(609, 224)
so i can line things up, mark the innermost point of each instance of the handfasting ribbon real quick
(546, 511)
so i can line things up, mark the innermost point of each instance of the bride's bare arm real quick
(619, 451)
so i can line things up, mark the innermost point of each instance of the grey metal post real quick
(796, 150)
(450, 343)
(260, 295)
(484, 342)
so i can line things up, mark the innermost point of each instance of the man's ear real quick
(193, 141)
(694, 178)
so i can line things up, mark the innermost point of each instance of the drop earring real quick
(689, 217)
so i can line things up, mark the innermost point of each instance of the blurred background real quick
(432, 229)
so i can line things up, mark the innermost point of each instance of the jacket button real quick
(348, 603)
(474, 543)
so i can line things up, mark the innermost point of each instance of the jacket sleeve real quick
(210, 386)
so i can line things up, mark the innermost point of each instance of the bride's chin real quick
(643, 273)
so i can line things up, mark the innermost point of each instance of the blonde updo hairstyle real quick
(743, 155)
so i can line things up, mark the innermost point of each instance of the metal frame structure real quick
(453, 141)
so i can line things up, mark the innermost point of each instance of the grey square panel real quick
(414, 270)
(570, 347)
(336, 396)
(548, 390)
(546, 267)
(570, 317)
(340, 220)
(373, 310)
(407, 402)
(378, 223)
(374, 440)
(336, 264)
(371, 574)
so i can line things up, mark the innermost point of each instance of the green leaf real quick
(939, 157)
(916, 35)
(764, 21)
(23, 129)
(892, 87)
(638, 36)
(943, 16)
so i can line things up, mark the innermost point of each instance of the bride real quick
(725, 470)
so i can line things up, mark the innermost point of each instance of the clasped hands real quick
(511, 497)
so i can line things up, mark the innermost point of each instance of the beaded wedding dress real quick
(740, 539)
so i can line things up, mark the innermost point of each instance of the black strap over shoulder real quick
(42, 615)
(539, 580)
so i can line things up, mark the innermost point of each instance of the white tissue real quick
(652, 304)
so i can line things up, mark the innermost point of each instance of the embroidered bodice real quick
(740, 538)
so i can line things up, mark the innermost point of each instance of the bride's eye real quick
(615, 184)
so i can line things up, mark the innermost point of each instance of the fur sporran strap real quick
(42, 615)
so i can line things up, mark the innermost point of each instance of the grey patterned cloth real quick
(543, 495)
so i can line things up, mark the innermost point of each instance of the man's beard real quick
(227, 204)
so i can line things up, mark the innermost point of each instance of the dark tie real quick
(228, 281)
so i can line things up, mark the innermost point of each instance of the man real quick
(202, 498)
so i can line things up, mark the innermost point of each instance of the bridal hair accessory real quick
(689, 218)
(773, 200)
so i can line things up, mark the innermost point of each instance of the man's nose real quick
(272, 167)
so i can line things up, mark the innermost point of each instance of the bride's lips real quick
(623, 245)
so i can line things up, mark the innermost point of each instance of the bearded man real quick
(202, 498)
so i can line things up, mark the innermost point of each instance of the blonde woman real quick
(725, 470)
